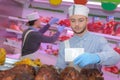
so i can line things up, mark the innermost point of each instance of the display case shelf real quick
(13, 43)
(14, 31)
(17, 19)
(109, 37)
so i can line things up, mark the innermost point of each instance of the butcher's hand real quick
(86, 59)
(53, 21)
(60, 28)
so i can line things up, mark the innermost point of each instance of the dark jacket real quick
(34, 39)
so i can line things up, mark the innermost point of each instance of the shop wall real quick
(103, 14)
(9, 8)
(46, 10)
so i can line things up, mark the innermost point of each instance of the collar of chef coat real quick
(33, 28)
(81, 37)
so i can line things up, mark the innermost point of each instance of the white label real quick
(72, 53)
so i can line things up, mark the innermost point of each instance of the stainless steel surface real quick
(9, 63)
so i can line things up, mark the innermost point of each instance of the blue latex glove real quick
(86, 59)
(53, 21)
(60, 28)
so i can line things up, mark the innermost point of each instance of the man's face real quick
(78, 23)
(37, 23)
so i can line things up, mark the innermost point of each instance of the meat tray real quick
(8, 63)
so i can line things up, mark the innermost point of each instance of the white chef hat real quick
(33, 16)
(78, 9)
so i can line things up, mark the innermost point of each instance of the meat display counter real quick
(9, 63)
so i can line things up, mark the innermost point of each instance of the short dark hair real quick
(31, 23)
